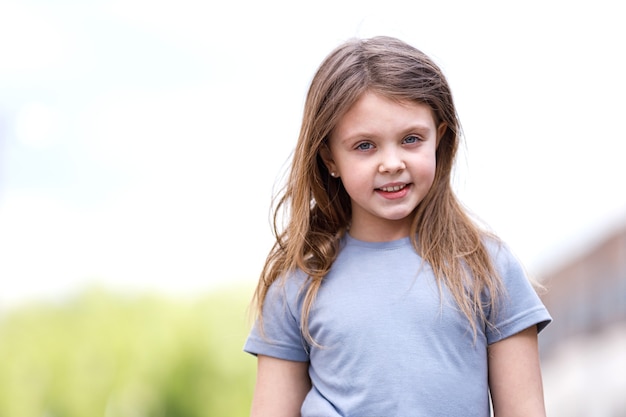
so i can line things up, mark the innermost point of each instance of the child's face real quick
(384, 153)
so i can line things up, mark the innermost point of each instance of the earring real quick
(333, 174)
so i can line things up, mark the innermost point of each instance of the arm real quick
(281, 386)
(515, 376)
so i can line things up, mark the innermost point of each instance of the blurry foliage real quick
(116, 355)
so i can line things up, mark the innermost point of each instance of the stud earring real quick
(333, 174)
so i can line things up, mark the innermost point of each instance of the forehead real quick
(373, 114)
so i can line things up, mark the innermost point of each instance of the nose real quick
(391, 162)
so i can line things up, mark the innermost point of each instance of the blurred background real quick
(141, 142)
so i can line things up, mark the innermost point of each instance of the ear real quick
(441, 130)
(327, 157)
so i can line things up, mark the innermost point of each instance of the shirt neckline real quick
(391, 244)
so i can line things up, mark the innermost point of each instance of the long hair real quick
(317, 208)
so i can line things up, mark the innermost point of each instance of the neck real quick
(381, 231)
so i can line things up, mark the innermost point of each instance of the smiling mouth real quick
(393, 189)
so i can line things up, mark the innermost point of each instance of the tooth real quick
(394, 188)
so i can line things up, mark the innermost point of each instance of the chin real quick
(400, 216)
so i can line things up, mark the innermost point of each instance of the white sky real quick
(140, 141)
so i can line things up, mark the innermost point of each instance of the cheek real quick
(355, 183)
(433, 167)
(426, 168)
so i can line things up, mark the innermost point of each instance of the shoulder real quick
(504, 260)
(276, 332)
(519, 305)
(289, 281)
(287, 291)
(507, 266)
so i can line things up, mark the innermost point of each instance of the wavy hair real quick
(317, 209)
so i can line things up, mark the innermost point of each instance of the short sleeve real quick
(281, 336)
(520, 306)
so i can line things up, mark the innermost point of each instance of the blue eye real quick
(365, 146)
(412, 139)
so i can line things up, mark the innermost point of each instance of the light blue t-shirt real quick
(391, 346)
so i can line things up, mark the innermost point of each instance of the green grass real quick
(115, 355)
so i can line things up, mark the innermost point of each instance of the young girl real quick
(381, 297)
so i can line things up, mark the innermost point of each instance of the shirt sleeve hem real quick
(538, 316)
(275, 351)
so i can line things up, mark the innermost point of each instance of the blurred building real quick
(584, 350)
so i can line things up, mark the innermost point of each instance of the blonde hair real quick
(318, 209)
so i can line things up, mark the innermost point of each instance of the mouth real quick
(392, 189)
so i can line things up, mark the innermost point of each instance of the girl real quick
(381, 297)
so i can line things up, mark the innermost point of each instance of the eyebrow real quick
(420, 128)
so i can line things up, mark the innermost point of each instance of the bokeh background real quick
(141, 142)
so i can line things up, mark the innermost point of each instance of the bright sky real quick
(140, 141)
